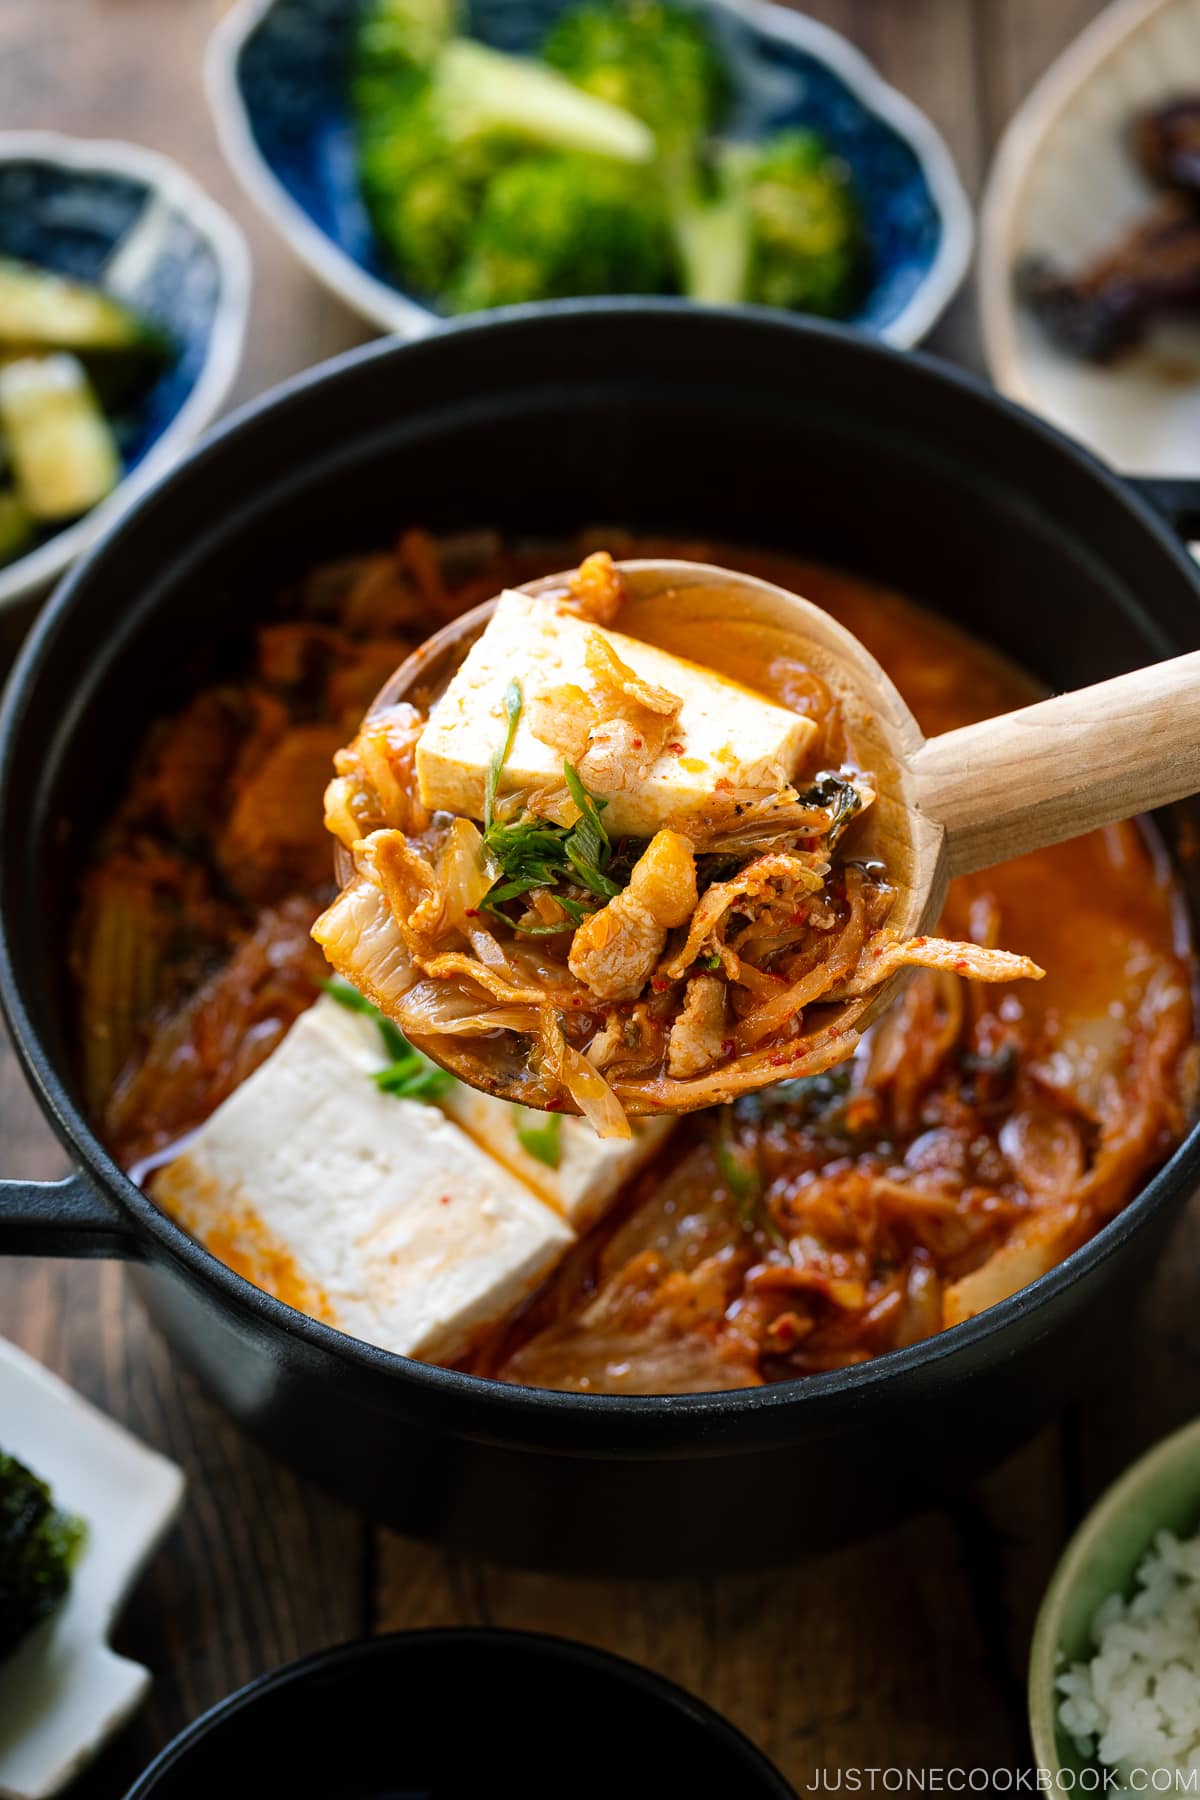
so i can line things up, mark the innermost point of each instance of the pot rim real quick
(588, 1659)
(505, 1400)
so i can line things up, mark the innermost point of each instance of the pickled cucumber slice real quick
(64, 456)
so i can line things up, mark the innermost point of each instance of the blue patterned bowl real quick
(131, 220)
(276, 82)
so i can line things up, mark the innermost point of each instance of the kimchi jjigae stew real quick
(283, 1111)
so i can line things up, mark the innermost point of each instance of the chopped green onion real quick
(512, 712)
(409, 1074)
(413, 1077)
(587, 845)
(590, 835)
(394, 1040)
(743, 1181)
(540, 1134)
(533, 853)
(349, 997)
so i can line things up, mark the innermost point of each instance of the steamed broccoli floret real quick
(710, 218)
(656, 60)
(478, 91)
(778, 225)
(37, 1548)
(807, 244)
(421, 194)
(424, 192)
(659, 61)
(394, 44)
(635, 197)
(430, 142)
(554, 226)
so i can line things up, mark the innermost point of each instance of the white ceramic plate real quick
(178, 256)
(1064, 183)
(64, 1692)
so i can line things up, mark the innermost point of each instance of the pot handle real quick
(62, 1218)
(1177, 498)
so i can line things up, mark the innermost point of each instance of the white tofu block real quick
(725, 732)
(591, 1170)
(377, 1215)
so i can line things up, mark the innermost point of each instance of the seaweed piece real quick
(840, 797)
(807, 1102)
(38, 1548)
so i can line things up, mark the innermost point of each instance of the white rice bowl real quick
(1136, 1704)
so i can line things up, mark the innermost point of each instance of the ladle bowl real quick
(945, 806)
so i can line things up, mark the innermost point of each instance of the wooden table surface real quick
(909, 1650)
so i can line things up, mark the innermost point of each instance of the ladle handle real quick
(1060, 768)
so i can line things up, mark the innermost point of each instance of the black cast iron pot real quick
(751, 427)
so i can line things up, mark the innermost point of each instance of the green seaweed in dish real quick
(39, 1545)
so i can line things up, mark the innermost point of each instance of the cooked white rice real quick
(1136, 1704)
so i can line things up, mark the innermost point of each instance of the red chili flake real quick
(445, 1199)
(637, 743)
(785, 1331)
(472, 913)
(555, 1106)
(675, 749)
(799, 917)
(659, 983)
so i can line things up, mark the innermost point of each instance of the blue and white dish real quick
(139, 226)
(276, 83)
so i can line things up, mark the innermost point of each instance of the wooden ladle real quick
(946, 806)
